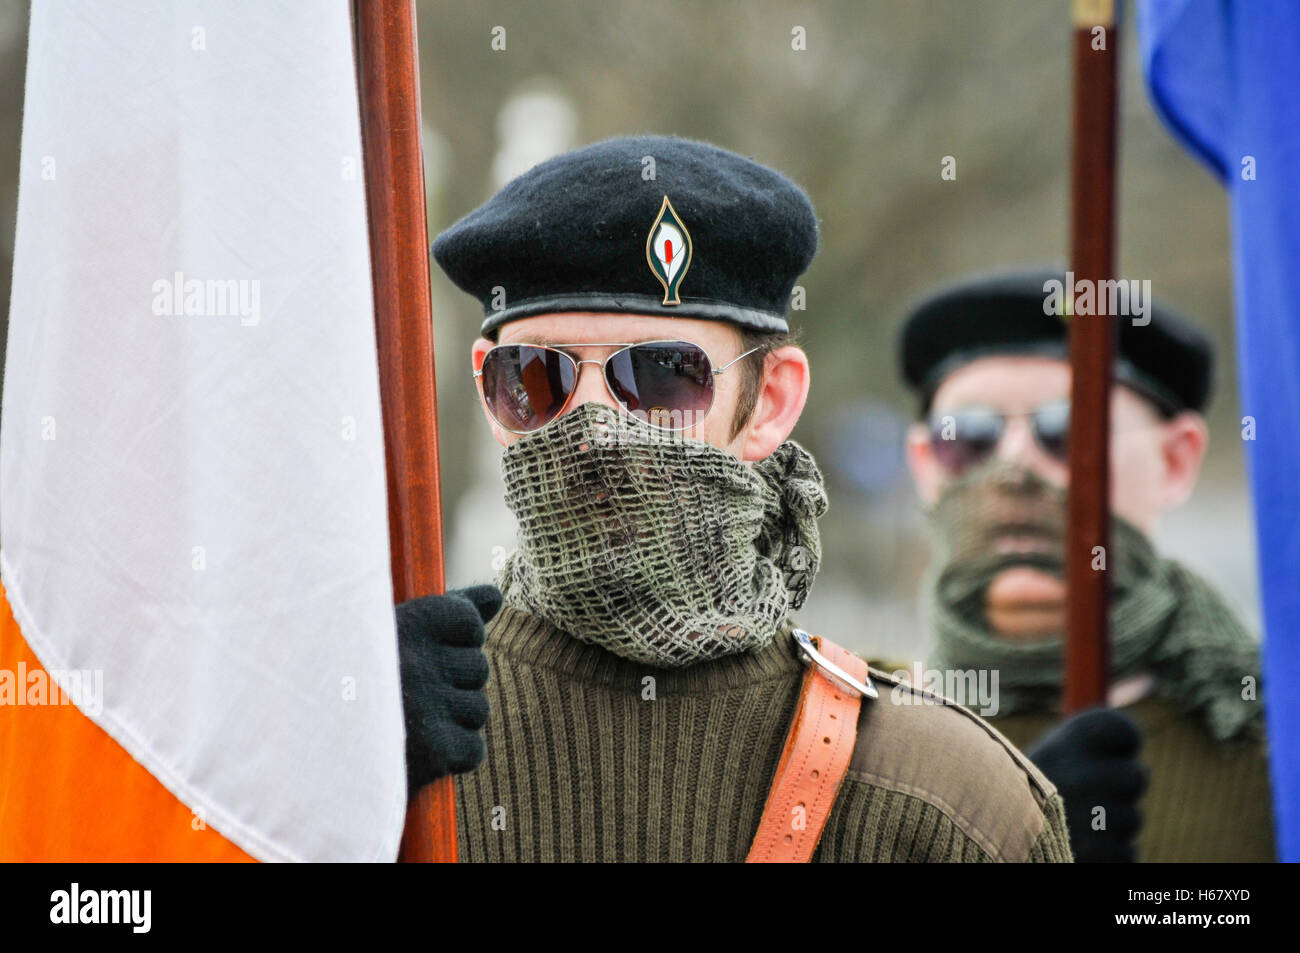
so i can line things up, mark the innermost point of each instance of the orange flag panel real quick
(69, 792)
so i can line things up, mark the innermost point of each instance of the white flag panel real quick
(192, 491)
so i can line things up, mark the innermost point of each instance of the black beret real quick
(711, 235)
(1169, 360)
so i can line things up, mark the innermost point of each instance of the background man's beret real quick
(575, 234)
(1169, 360)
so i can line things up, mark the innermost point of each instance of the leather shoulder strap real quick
(813, 763)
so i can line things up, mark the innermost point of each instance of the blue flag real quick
(1225, 76)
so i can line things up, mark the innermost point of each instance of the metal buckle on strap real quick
(812, 657)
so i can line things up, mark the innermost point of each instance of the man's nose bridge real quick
(1017, 439)
(591, 386)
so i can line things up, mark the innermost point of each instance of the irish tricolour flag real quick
(197, 655)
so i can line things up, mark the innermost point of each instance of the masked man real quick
(990, 369)
(637, 367)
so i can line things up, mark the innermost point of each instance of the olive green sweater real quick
(1205, 801)
(595, 758)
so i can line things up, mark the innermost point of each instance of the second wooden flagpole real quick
(1092, 346)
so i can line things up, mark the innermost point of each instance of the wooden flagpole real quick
(1092, 347)
(388, 68)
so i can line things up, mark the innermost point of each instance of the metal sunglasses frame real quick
(1004, 416)
(577, 371)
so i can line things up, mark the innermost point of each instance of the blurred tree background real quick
(862, 118)
(13, 63)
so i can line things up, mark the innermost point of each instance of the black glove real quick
(440, 647)
(1093, 761)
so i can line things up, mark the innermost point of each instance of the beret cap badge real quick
(668, 251)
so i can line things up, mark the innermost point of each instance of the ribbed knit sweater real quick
(595, 758)
(1205, 802)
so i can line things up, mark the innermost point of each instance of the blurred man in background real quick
(989, 365)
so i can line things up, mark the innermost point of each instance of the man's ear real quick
(784, 391)
(1183, 445)
(926, 472)
(477, 352)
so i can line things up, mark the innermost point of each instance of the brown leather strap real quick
(813, 763)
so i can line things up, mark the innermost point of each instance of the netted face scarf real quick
(1164, 619)
(659, 548)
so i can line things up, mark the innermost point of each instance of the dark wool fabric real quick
(1205, 802)
(570, 235)
(1169, 359)
(1092, 760)
(443, 668)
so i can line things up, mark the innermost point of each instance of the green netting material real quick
(659, 548)
(1164, 619)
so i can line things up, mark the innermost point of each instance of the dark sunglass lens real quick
(667, 384)
(964, 439)
(1052, 430)
(526, 386)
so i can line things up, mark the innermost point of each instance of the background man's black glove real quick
(1093, 761)
(440, 647)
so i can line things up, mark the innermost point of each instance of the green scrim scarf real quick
(1164, 619)
(660, 548)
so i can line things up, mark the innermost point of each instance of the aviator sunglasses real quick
(963, 438)
(668, 384)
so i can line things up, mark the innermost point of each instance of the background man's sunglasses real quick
(668, 384)
(963, 438)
